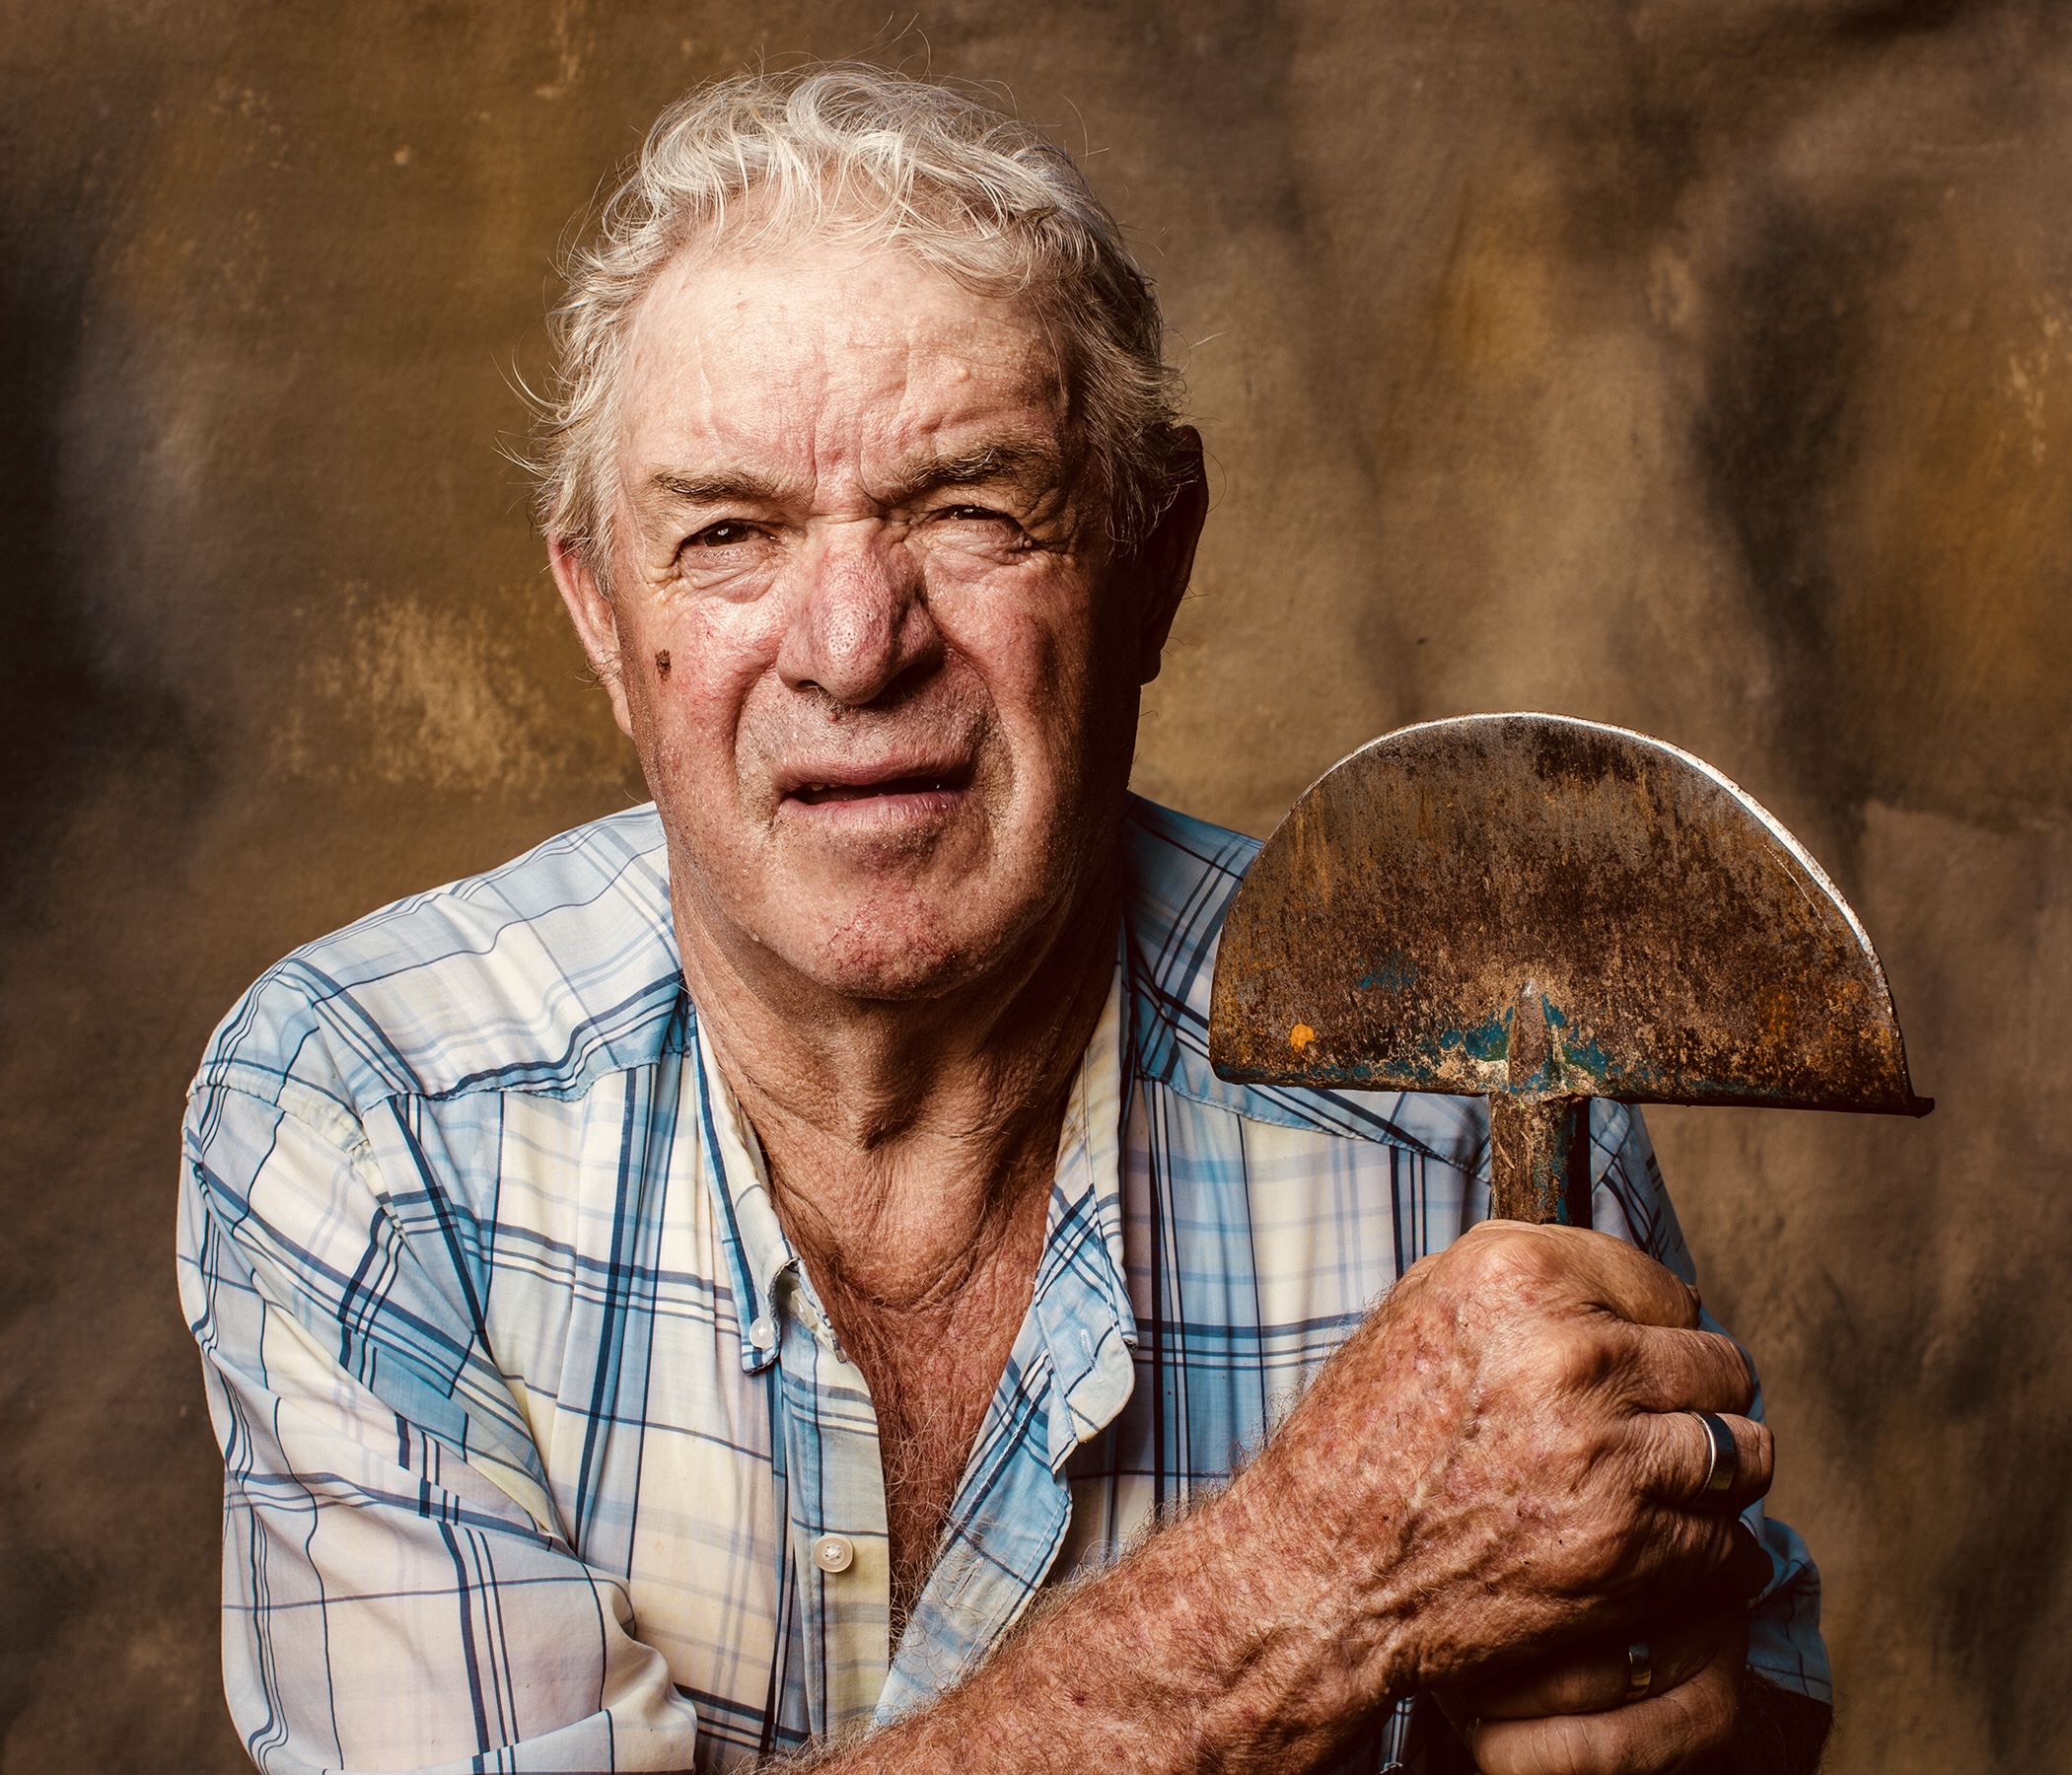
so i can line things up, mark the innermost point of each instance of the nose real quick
(861, 622)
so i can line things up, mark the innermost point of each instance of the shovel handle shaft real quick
(1539, 1160)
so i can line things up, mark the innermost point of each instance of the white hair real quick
(849, 151)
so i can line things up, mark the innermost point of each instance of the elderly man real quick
(776, 1263)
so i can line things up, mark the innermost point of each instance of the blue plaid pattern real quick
(531, 1416)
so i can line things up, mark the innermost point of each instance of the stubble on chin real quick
(897, 917)
(862, 917)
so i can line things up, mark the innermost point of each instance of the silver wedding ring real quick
(1640, 1672)
(1722, 1457)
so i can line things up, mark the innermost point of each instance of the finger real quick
(1587, 1268)
(1689, 1463)
(1670, 1731)
(1667, 1369)
(1692, 1560)
(1587, 1681)
(1750, 1571)
(1600, 1676)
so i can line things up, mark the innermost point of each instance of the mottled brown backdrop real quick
(1702, 365)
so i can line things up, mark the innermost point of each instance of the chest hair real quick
(933, 1367)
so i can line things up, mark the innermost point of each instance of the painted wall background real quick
(1701, 365)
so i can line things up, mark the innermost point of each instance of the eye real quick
(724, 534)
(995, 527)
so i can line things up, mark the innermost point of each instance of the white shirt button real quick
(762, 1334)
(834, 1552)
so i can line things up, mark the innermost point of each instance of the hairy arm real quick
(1492, 1466)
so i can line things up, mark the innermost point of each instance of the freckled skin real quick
(881, 662)
(836, 621)
(853, 522)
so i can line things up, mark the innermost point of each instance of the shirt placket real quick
(1069, 1375)
(837, 1557)
(841, 1550)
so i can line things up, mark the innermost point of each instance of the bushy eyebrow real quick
(727, 486)
(1017, 461)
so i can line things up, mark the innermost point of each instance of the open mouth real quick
(815, 794)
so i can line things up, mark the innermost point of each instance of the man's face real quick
(874, 647)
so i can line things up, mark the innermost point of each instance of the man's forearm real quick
(1457, 1489)
(1195, 1651)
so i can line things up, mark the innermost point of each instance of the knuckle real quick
(1711, 1705)
(1759, 1455)
(1503, 1257)
(1717, 1366)
(1737, 1374)
(1570, 1358)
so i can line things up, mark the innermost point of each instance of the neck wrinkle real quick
(896, 1173)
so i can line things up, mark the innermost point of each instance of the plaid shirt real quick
(539, 1450)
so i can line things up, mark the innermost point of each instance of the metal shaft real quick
(1539, 1159)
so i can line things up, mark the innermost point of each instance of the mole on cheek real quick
(661, 664)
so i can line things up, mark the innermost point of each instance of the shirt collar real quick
(1085, 1216)
(757, 1251)
(1082, 1294)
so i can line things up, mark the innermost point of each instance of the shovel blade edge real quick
(1535, 905)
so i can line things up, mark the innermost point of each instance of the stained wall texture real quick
(1701, 365)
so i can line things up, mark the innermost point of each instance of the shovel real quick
(1541, 911)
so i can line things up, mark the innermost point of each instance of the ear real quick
(1165, 558)
(597, 622)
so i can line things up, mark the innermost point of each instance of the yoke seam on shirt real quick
(233, 1075)
(1310, 1123)
(330, 1119)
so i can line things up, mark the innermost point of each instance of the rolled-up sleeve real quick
(398, 1593)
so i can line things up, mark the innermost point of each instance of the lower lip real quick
(894, 808)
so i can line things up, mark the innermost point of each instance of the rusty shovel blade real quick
(1543, 910)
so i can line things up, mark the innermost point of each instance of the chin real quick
(903, 941)
(902, 921)
(855, 915)
(891, 953)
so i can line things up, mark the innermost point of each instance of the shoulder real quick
(1180, 875)
(535, 977)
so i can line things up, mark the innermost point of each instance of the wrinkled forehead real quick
(819, 357)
